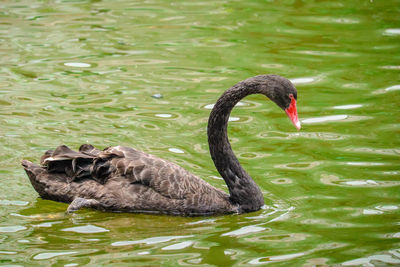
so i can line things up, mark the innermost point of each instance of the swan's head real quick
(281, 91)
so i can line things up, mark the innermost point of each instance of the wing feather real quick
(166, 178)
(123, 178)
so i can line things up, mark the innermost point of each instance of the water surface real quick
(146, 73)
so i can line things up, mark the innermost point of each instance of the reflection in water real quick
(239, 104)
(387, 207)
(87, 229)
(325, 53)
(164, 115)
(378, 151)
(13, 202)
(354, 106)
(46, 224)
(275, 258)
(176, 150)
(371, 212)
(178, 246)
(328, 19)
(45, 256)
(233, 118)
(392, 88)
(299, 165)
(387, 89)
(149, 241)
(77, 64)
(368, 261)
(325, 119)
(356, 183)
(391, 67)
(157, 96)
(392, 32)
(11, 229)
(245, 230)
(304, 80)
(365, 163)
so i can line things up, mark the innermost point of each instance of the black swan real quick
(123, 179)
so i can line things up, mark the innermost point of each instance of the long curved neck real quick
(243, 190)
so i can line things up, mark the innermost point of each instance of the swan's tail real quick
(34, 173)
(31, 169)
(48, 185)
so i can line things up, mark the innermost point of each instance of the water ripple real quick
(331, 179)
(178, 246)
(176, 150)
(334, 118)
(6, 202)
(46, 224)
(8, 252)
(329, 20)
(149, 241)
(245, 230)
(296, 135)
(353, 106)
(264, 260)
(324, 119)
(11, 229)
(87, 229)
(370, 260)
(325, 53)
(299, 165)
(145, 74)
(49, 255)
(378, 151)
(391, 32)
(77, 64)
(304, 80)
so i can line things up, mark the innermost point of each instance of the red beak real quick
(291, 111)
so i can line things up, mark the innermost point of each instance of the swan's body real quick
(127, 180)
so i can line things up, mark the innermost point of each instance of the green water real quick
(76, 72)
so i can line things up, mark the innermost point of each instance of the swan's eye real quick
(293, 96)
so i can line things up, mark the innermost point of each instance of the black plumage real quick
(127, 180)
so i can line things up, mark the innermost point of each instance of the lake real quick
(146, 73)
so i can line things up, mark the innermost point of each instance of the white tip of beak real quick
(298, 125)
